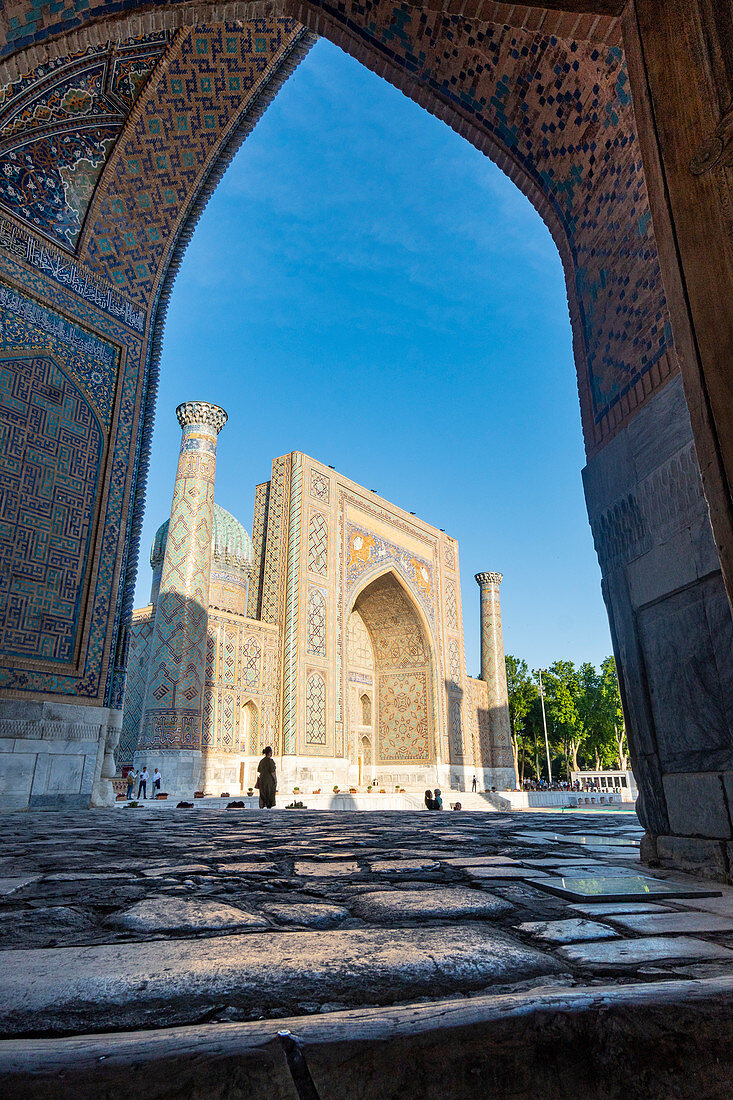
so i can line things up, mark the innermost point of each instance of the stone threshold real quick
(649, 1041)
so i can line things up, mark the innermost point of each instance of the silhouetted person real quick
(267, 780)
(429, 804)
(473, 784)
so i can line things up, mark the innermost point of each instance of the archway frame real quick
(437, 736)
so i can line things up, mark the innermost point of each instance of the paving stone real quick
(660, 924)
(722, 904)
(573, 930)
(170, 869)
(248, 868)
(309, 914)
(167, 983)
(327, 868)
(440, 902)
(402, 866)
(618, 954)
(10, 885)
(167, 914)
(503, 872)
(609, 908)
(479, 861)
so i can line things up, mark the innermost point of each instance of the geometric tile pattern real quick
(291, 594)
(318, 544)
(259, 529)
(320, 486)
(451, 608)
(251, 718)
(193, 101)
(455, 730)
(317, 622)
(454, 663)
(276, 534)
(51, 450)
(251, 657)
(315, 710)
(403, 718)
(141, 630)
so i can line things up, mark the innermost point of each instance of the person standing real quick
(131, 777)
(473, 785)
(267, 780)
(156, 782)
(142, 786)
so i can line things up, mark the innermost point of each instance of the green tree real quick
(563, 693)
(522, 693)
(611, 715)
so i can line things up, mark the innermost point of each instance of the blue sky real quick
(366, 287)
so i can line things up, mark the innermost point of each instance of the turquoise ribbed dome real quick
(230, 543)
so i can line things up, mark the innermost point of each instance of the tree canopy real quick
(585, 724)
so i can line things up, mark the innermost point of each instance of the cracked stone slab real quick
(623, 954)
(167, 983)
(247, 869)
(176, 869)
(441, 902)
(329, 868)
(480, 861)
(609, 908)
(572, 930)
(169, 914)
(309, 914)
(10, 885)
(504, 872)
(401, 866)
(660, 924)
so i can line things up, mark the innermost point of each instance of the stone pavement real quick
(188, 919)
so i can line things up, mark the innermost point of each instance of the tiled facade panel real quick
(141, 630)
(50, 457)
(192, 103)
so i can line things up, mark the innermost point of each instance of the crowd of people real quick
(556, 785)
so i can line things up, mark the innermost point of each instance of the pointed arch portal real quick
(404, 671)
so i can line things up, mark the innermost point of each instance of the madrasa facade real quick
(333, 634)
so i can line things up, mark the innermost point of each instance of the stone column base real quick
(52, 755)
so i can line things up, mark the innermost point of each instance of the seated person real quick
(429, 804)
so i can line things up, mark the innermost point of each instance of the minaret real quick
(493, 670)
(170, 730)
